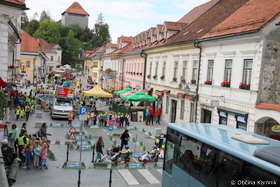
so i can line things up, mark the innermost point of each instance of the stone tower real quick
(75, 14)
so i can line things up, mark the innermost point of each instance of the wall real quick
(72, 19)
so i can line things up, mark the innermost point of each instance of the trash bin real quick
(134, 116)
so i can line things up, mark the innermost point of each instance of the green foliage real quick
(3, 103)
(49, 31)
(101, 32)
(32, 26)
(24, 20)
(45, 16)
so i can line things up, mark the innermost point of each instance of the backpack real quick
(39, 133)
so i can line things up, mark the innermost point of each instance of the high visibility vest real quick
(157, 140)
(20, 140)
(18, 111)
(153, 150)
(27, 108)
(22, 112)
(163, 146)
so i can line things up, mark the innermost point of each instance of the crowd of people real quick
(31, 149)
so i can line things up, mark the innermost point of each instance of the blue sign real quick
(94, 127)
(159, 165)
(137, 143)
(135, 166)
(110, 128)
(79, 138)
(131, 128)
(74, 164)
(108, 77)
(86, 147)
(56, 125)
(76, 126)
(83, 110)
(137, 154)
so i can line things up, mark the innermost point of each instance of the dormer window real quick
(199, 31)
(186, 33)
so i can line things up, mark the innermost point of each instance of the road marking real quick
(104, 130)
(135, 159)
(150, 178)
(160, 171)
(108, 134)
(128, 177)
(53, 142)
(62, 143)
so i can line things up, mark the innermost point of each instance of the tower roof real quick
(76, 8)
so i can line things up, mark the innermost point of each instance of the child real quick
(37, 152)
(23, 155)
(119, 119)
(92, 117)
(29, 157)
(122, 120)
(43, 157)
(114, 118)
(18, 112)
(105, 119)
(22, 113)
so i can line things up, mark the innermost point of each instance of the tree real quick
(32, 26)
(71, 47)
(101, 33)
(45, 16)
(48, 31)
(24, 20)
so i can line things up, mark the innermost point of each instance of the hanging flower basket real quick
(193, 81)
(225, 84)
(155, 76)
(11, 67)
(148, 76)
(162, 77)
(183, 80)
(174, 79)
(208, 82)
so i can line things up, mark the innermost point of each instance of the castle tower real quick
(75, 14)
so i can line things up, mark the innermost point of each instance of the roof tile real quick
(28, 43)
(268, 106)
(18, 2)
(76, 8)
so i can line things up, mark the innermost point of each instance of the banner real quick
(65, 92)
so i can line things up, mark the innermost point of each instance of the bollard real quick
(12, 175)
(79, 181)
(93, 149)
(67, 153)
(110, 179)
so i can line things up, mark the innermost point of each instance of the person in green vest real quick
(23, 127)
(22, 113)
(27, 100)
(20, 142)
(27, 111)
(18, 109)
(125, 153)
(110, 115)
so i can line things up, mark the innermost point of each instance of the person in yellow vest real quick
(86, 123)
(22, 113)
(70, 118)
(20, 142)
(18, 109)
(154, 151)
(157, 140)
(27, 110)
(32, 107)
(163, 145)
(27, 100)
(23, 127)
(125, 153)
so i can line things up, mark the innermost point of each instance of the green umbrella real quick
(122, 91)
(139, 96)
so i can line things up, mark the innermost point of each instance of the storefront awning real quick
(166, 91)
(232, 111)
(190, 97)
(181, 95)
(158, 92)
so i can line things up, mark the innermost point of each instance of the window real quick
(182, 109)
(228, 68)
(195, 70)
(192, 108)
(210, 70)
(150, 68)
(95, 64)
(51, 58)
(94, 75)
(163, 66)
(184, 74)
(167, 105)
(247, 72)
(175, 73)
(156, 69)
(28, 64)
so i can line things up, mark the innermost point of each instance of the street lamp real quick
(187, 89)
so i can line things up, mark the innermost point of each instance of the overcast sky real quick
(125, 17)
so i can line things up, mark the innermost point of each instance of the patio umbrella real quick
(128, 93)
(122, 91)
(139, 96)
(56, 75)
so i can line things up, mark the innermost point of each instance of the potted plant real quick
(137, 73)
(193, 81)
(174, 79)
(162, 77)
(208, 82)
(155, 76)
(108, 70)
(140, 74)
(183, 80)
(225, 84)
(4, 98)
(148, 76)
(244, 86)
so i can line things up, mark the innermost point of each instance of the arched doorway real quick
(263, 127)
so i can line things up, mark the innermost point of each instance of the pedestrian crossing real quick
(59, 143)
(141, 176)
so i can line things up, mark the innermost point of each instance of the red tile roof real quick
(253, 15)
(18, 3)
(175, 26)
(113, 45)
(207, 21)
(269, 106)
(76, 8)
(197, 11)
(44, 45)
(90, 54)
(28, 43)
(126, 39)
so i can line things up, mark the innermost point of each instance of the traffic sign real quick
(83, 110)
(111, 122)
(110, 128)
(72, 137)
(72, 130)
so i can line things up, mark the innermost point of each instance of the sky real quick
(124, 17)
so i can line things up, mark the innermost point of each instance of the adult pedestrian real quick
(152, 113)
(124, 138)
(13, 136)
(99, 152)
(147, 114)
(20, 141)
(158, 113)
(6, 149)
(27, 110)
(44, 131)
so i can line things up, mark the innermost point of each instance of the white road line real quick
(62, 142)
(104, 130)
(128, 177)
(108, 134)
(135, 159)
(53, 142)
(148, 176)
(160, 171)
